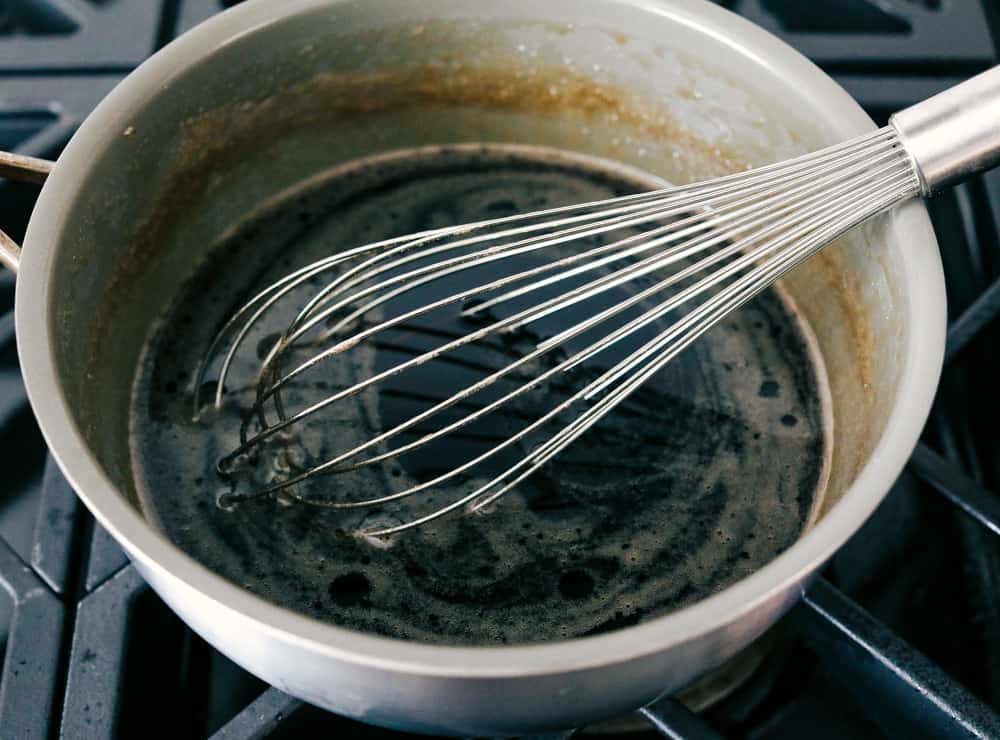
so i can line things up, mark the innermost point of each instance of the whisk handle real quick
(954, 134)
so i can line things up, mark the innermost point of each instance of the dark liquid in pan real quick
(704, 475)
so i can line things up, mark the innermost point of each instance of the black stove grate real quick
(90, 652)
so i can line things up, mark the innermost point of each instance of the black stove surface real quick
(901, 636)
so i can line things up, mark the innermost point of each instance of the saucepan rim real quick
(35, 302)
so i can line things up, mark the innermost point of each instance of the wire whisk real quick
(693, 254)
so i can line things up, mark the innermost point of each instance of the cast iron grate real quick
(89, 650)
(76, 36)
(860, 34)
(35, 18)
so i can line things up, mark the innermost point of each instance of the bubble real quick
(576, 584)
(769, 389)
(350, 589)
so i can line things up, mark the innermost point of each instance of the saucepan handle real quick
(954, 134)
(25, 169)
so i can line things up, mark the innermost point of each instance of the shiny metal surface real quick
(76, 240)
(955, 133)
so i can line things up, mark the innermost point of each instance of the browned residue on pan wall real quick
(332, 97)
(215, 141)
(855, 434)
(853, 312)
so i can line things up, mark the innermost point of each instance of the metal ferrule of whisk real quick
(696, 253)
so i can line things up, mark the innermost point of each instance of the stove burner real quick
(91, 652)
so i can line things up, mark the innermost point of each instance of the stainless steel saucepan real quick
(268, 94)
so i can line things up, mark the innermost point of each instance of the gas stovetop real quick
(901, 636)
